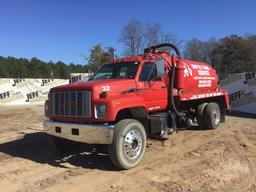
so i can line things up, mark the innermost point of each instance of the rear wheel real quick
(200, 115)
(212, 115)
(129, 143)
(62, 146)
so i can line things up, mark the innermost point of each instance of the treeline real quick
(11, 67)
(231, 54)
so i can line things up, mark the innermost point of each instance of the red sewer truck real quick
(132, 99)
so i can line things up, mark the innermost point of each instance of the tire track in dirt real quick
(157, 165)
(171, 155)
(236, 168)
(53, 179)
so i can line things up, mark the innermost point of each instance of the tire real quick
(63, 146)
(212, 116)
(200, 115)
(129, 143)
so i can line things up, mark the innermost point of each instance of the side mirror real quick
(160, 68)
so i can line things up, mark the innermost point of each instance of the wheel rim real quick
(132, 144)
(216, 117)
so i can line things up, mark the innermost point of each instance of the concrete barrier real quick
(77, 77)
(242, 91)
(26, 91)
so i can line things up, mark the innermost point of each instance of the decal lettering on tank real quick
(201, 69)
(204, 78)
(205, 83)
(187, 70)
(200, 96)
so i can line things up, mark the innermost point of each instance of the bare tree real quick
(201, 50)
(135, 36)
(210, 51)
(151, 34)
(132, 37)
(193, 49)
(170, 38)
(251, 39)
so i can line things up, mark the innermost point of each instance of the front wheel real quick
(129, 143)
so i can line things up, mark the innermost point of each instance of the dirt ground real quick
(190, 160)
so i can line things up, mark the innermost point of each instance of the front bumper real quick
(85, 133)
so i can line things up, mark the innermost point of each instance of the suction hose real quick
(172, 104)
(171, 98)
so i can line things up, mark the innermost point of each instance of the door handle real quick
(163, 86)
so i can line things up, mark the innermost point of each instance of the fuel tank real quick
(193, 75)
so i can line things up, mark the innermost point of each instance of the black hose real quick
(168, 45)
(171, 98)
(171, 78)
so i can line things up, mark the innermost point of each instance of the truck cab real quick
(132, 99)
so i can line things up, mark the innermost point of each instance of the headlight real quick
(100, 111)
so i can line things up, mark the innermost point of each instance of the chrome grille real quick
(71, 103)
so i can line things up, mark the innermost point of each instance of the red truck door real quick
(151, 85)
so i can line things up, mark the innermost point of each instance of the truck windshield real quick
(125, 70)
